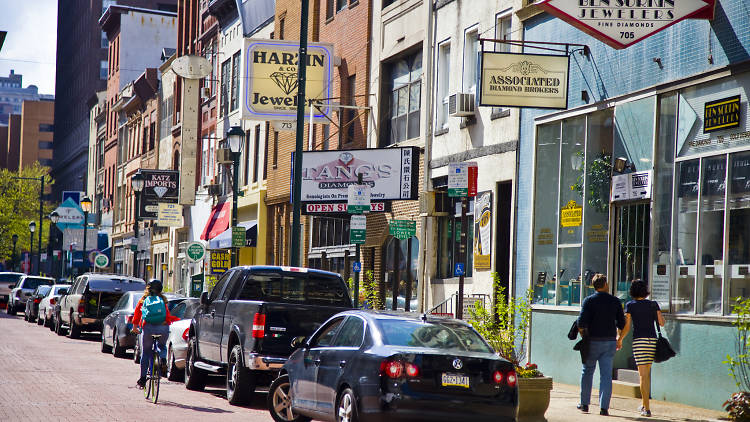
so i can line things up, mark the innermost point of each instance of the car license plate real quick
(455, 380)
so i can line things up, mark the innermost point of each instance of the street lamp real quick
(54, 217)
(14, 238)
(136, 182)
(234, 136)
(86, 207)
(32, 228)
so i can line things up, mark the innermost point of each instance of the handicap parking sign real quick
(459, 269)
(357, 266)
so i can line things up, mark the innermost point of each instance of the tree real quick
(19, 204)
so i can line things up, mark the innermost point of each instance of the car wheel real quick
(59, 330)
(279, 401)
(9, 308)
(25, 316)
(39, 320)
(173, 373)
(240, 381)
(73, 331)
(117, 350)
(346, 408)
(105, 347)
(51, 324)
(195, 378)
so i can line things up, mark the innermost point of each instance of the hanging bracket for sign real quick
(583, 48)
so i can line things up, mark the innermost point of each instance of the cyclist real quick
(152, 317)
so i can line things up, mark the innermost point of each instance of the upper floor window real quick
(225, 84)
(471, 50)
(46, 127)
(405, 82)
(443, 84)
(235, 81)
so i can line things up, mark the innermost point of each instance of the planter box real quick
(533, 398)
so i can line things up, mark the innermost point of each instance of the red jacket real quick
(138, 322)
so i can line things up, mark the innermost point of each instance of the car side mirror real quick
(299, 342)
(204, 299)
(12, 286)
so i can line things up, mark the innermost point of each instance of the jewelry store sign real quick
(270, 78)
(524, 80)
(721, 114)
(622, 23)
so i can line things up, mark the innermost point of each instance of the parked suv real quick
(7, 282)
(90, 299)
(21, 291)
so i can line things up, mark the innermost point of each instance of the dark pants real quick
(147, 343)
(602, 352)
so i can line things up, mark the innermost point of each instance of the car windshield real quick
(34, 282)
(431, 334)
(116, 285)
(42, 290)
(312, 289)
(9, 278)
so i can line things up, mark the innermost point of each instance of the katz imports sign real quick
(622, 23)
(391, 173)
(523, 80)
(159, 186)
(270, 76)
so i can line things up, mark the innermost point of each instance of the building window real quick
(329, 9)
(103, 69)
(165, 124)
(105, 41)
(235, 80)
(45, 145)
(256, 154)
(225, 85)
(348, 121)
(443, 84)
(275, 148)
(46, 127)
(471, 51)
(387, 3)
(340, 5)
(249, 161)
(326, 137)
(449, 237)
(281, 28)
(502, 32)
(46, 162)
(265, 151)
(328, 232)
(405, 82)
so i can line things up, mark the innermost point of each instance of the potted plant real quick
(504, 325)
(738, 406)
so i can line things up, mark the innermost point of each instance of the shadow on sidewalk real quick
(195, 408)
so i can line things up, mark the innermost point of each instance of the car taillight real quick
(52, 301)
(510, 378)
(412, 370)
(391, 369)
(81, 308)
(185, 334)
(497, 376)
(37, 300)
(259, 325)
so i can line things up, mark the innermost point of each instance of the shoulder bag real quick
(664, 350)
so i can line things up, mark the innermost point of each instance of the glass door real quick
(632, 228)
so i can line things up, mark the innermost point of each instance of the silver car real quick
(24, 289)
(8, 280)
(177, 340)
(47, 305)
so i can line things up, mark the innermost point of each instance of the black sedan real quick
(116, 335)
(371, 366)
(31, 311)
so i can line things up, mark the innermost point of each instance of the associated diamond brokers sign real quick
(524, 80)
(159, 186)
(390, 172)
(270, 80)
(622, 23)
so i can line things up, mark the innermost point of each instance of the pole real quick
(462, 257)
(407, 295)
(85, 230)
(13, 258)
(294, 256)
(31, 254)
(41, 212)
(235, 188)
(135, 232)
(356, 259)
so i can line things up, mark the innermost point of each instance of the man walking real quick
(601, 321)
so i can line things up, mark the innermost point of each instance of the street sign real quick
(459, 269)
(43, 257)
(195, 251)
(169, 215)
(238, 237)
(357, 267)
(358, 199)
(358, 229)
(101, 261)
(462, 179)
(196, 285)
(402, 229)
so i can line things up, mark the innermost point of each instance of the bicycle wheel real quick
(155, 364)
(147, 389)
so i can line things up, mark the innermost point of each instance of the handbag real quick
(664, 350)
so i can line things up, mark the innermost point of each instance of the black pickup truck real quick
(245, 325)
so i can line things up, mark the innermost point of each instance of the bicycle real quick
(153, 375)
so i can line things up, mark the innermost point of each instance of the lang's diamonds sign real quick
(524, 80)
(392, 173)
(270, 83)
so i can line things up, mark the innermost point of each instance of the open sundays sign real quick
(622, 23)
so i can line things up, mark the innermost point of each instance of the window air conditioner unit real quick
(223, 156)
(215, 190)
(206, 92)
(461, 104)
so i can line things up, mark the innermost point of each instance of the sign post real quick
(462, 182)
(358, 201)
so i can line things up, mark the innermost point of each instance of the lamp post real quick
(86, 207)
(14, 238)
(234, 136)
(54, 217)
(32, 228)
(136, 182)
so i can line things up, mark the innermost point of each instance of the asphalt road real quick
(44, 377)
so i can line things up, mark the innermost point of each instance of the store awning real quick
(224, 240)
(218, 221)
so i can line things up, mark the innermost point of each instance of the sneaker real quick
(604, 412)
(141, 383)
(645, 412)
(583, 408)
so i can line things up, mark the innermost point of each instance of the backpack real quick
(154, 310)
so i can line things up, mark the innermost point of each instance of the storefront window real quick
(546, 212)
(397, 253)
(686, 223)
(569, 270)
(739, 226)
(449, 240)
(571, 179)
(713, 188)
(634, 132)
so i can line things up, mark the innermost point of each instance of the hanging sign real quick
(721, 114)
(159, 186)
(169, 215)
(358, 230)
(622, 23)
(524, 80)
(631, 186)
(270, 72)
(483, 231)
(571, 215)
(358, 199)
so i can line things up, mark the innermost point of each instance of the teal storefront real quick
(655, 185)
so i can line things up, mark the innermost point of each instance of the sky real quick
(30, 45)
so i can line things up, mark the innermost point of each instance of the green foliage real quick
(506, 328)
(738, 407)
(370, 291)
(739, 364)
(19, 204)
(599, 175)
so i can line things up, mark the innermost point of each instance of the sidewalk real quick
(564, 398)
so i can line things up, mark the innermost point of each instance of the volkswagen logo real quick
(457, 363)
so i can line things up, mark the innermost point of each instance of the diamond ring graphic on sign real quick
(346, 157)
(160, 190)
(287, 81)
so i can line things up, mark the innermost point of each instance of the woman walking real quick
(641, 313)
